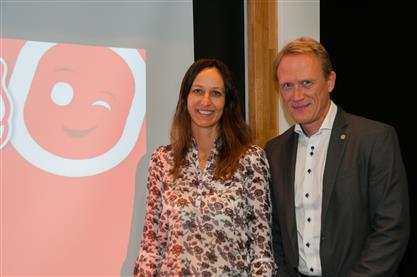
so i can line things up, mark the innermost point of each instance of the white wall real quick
(296, 18)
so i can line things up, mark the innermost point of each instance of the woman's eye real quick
(216, 93)
(197, 91)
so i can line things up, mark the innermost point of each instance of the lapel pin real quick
(343, 136)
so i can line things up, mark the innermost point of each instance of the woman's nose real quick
(206, 100)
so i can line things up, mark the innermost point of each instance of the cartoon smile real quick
(78, 133)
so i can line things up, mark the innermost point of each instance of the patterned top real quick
(200, 226)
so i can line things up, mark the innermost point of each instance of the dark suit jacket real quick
(365, 213)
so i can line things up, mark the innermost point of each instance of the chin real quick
(297, 117)
(204, 124)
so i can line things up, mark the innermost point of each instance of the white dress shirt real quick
(311, 159)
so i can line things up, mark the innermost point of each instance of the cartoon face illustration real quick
(77, 110)
(79, 100)
(72, 129)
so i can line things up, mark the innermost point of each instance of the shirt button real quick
(311, 153)
(308, 244)
(307, 195)
(311, 269)
(309, 219)
(309, 171)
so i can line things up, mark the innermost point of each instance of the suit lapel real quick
(289, 180)
(338, 140)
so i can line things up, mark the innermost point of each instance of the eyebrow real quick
(218, 88)
(108, 93)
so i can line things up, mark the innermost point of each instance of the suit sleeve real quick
(276, 229)
(148, 261)
(388, 210)
(277, 243)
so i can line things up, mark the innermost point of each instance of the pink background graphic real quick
(73, 129)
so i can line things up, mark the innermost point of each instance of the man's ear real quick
(331, 81)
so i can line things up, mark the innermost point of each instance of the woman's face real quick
(206, 100)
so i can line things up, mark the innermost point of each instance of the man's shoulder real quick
(364, 125)
(280, 139)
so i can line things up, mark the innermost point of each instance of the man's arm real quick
(277, 242)
(388, 210)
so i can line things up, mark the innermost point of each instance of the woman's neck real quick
(204, 139)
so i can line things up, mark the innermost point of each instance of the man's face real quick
(305, 90)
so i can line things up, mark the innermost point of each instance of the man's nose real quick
(298, 92)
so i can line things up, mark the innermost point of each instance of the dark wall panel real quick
(371, 45)
(219, 33)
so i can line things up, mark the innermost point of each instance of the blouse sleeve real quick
(260, 214)
(148, 261)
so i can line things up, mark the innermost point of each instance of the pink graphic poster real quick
(73, 129)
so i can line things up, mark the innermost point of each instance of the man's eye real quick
(306, 83)
(286, 86)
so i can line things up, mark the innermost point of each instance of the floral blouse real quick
(198, 226)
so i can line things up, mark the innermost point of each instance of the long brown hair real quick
(234, 134)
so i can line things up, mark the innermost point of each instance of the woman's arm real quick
(148, 261)
(259, 221)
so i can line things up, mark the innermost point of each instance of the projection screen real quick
(88, 91)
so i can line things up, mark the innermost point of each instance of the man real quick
(339, 186)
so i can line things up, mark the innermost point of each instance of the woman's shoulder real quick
(162, 152)
(163, 149)
(255, 150)
(254, 154)
(254, 160)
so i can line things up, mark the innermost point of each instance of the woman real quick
(208, 204)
